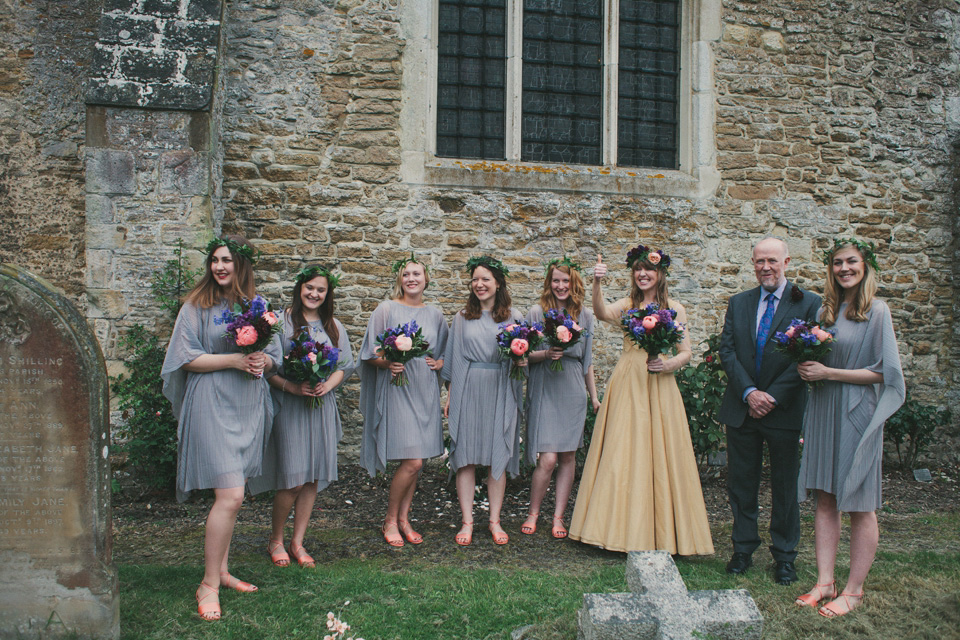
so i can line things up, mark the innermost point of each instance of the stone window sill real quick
(526, 176)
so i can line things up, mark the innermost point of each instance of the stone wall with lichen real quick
(832, 119)
(45, 49)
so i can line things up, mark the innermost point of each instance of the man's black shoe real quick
(785, 573)
(740, 562)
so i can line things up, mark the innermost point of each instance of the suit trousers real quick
(744, 464)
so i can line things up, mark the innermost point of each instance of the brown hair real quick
(207, 292)
(833, 292)
(398, 285)
(636, 296)
(501, 301)
(574, 302)
(325, 310)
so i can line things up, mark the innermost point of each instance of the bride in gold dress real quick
(640, 488)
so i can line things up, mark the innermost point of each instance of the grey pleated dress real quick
(223, 416)
(484, 402)
(843, 423)
(557, 400)
(303, 442)
(406, 422)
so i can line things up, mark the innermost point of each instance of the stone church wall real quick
(831, 118)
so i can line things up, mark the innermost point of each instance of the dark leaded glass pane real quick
(562, 81)
(649, 97)
(471, 79)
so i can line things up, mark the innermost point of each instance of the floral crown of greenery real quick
(244, 250)
(488, 262)
(401, 264)
(867, 250)
(565, 262)
(656, 257)
(309, 273)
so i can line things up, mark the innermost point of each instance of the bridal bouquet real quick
(402, 344)
(653, 329)
(310, 362)
(804, 341)
(560, 330)
(514, 341)
(250, 325)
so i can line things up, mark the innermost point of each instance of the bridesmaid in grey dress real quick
(301, 456)
(402, 423)
(483, 405)
(556, 402)
(861, 386)
(222, 412)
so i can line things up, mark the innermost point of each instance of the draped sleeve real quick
(884, 357)
(185, 346)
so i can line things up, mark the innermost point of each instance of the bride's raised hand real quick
(599, 269)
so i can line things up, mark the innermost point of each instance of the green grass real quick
(421, 601)
(912, 594)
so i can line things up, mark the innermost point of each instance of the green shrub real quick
(148, 433)
(912, 427)
(701, 388)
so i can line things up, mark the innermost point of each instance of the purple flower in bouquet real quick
(515, 339)
(250, 325)
(310, 362)
(560, 330)
(402, 344)
(804, 341)
(653, 329)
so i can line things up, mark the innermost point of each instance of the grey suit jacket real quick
(778, 374)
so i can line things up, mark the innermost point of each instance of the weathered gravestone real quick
(659, 607)
(56, 574)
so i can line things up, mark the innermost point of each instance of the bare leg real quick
(565, 475)
(496, 488)
(864, 537)
(826, 528)
(219, 531)
(303, 509)
(283, 501)
(466, 481)
(538, 489)
(401, 497)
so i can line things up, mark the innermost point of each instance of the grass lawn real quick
(486, 592)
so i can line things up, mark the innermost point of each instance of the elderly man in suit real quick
(764, 402)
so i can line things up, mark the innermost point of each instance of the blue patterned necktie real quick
(763, 329)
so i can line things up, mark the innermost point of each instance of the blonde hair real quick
(636, 296)
(574, 302)
(833, 292)
(398, 285)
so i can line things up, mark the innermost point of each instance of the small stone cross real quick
(659, 607)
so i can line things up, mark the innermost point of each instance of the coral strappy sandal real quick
(407, 532)
(208, 610)
(231, 582)
(464, 538)
(278, 555)
(530, 528)
(302, 557)
(818, 594)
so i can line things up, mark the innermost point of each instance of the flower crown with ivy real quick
(488, 262)
(244, 250)
(656, 257)
(565, 262)
(867, 250)
(317, 271)
(402, 263)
